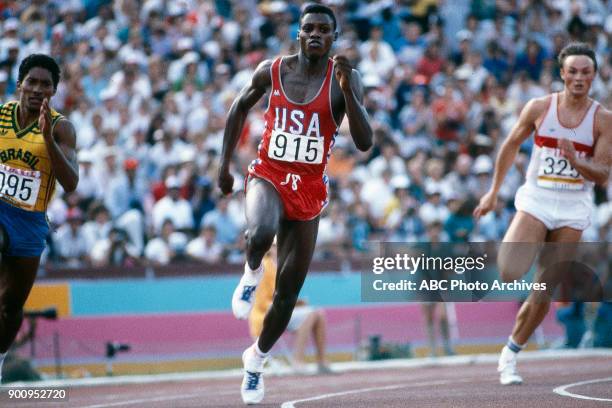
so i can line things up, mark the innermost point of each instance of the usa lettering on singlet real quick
(548, 169)
(26, 178)
(298, 137)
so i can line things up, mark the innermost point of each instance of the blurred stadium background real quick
(147, 253)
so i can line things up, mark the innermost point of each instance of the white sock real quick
(255, 271)
(258, 351)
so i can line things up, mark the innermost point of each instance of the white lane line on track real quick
(155, 399)
(562, 389)
(291, 404)
(341, 367)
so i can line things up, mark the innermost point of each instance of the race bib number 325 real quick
(555, 172)
(295, 148)
(19, 185)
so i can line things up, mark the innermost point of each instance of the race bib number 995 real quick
(555, 172)
(20, 186)
(295, 148)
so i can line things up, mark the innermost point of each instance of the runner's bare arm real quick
(352, 90)
(237, 114)
(509, 149)
(61, 145)
(598, 169)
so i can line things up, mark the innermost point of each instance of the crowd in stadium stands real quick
(148, 83)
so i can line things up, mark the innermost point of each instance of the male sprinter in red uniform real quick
(573, 150)
(37, 147)
(309, 94)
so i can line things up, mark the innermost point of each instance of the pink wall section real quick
(172, 336)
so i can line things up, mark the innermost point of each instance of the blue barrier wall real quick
(175, 295)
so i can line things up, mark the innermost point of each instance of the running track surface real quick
(556, 379)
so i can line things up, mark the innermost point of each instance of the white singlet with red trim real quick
(554, 191)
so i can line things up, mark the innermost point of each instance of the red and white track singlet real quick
(554, 192)
(548, 169)
(295, 147)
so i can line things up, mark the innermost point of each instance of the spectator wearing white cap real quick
(433, 210)
(166, 150)
(483, 170)
(4, 97)
(110, 108)
(98, 226)
(130, 84)
(173, 207)
(168, 245)
(189, 98)
(476, 72)
(376, 193)
(176, 69)
(195, 72)
(134, 48)
(377, 56)
(38, 44)
(10, 36)
(416, 122)
(460, 178)
(88, 187)
(389, 158)
(107, 163)
(68, 26)
(69, 240)
(8, 64)
(464, 47)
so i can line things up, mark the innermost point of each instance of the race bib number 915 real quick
(555, 172)
(19, 185)
(295, 148)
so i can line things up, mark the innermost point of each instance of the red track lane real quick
(466, 386)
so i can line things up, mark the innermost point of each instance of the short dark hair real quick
(42, 61)
(314, 8)
(577, 48)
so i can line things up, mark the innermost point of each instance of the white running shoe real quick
(507, 368)
(252, 389)
(244, 294)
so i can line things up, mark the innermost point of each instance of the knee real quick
(534, 307)
(261, 236)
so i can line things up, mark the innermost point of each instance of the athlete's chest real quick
(300, 89)
(23, 152)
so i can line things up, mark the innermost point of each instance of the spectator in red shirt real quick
(432, 62)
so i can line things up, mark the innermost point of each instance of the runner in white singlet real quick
(573, 150)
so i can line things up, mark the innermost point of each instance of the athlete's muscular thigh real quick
(263, 205)
(520, 246)
(17, 275)
(556, 258)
